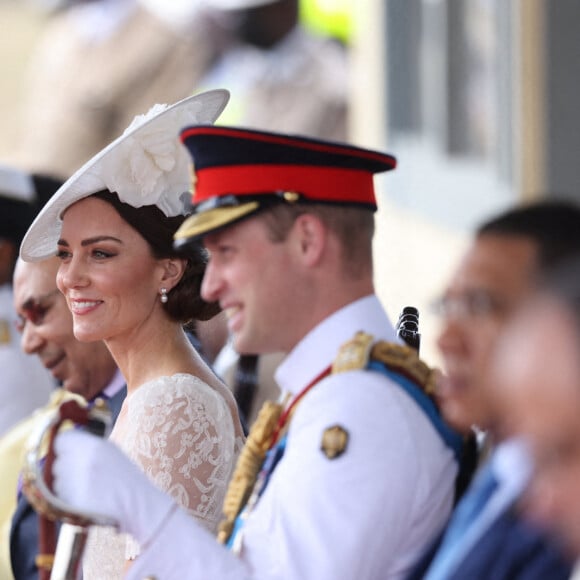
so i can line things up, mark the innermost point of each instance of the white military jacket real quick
(367, 514)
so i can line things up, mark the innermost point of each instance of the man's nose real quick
(30, 340)
(212, 284)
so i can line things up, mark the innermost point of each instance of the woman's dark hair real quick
(184, 303)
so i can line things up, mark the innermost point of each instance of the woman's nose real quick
(71, 274)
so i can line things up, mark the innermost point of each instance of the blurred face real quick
(46, 326)
(107, 273)
(537, 388)
(494, 276)
(257, 283)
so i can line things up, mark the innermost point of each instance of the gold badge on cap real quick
(334, 441)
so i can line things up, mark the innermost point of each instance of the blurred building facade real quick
(477, 100)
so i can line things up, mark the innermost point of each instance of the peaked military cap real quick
(238, 171)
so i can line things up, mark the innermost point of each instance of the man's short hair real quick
(554, 225)
(354, 227)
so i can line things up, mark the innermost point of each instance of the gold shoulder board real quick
(354, 354)
(357, 352)
(405, 360)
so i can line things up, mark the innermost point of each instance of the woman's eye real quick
(62, 254)
(101, 254)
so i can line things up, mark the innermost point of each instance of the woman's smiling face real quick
(108, 274)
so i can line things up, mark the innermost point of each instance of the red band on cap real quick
(331, 184)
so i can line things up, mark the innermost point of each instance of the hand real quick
(93, 475)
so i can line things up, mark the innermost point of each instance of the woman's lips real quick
(81, 307)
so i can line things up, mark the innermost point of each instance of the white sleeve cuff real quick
(181, 548)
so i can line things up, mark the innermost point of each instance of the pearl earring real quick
(164, 298)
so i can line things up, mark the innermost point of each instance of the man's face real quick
(536, 385)
(257, 283)
(492, 279)
(47, 331)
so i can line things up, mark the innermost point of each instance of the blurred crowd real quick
(510, 333)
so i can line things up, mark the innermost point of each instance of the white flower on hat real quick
(147, 165)
(150, 166)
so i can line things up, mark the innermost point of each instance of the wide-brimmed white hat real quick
(146, 165)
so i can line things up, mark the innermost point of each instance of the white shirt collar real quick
(318, 349)
(115, 385)
(512, 465)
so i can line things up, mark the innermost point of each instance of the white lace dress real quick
(180, 431)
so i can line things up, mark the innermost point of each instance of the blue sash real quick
(451, 438)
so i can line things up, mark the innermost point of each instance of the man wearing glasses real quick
(497, 273)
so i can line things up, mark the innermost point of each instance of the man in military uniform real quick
(99, 63)
(359, 473)
(282, 76)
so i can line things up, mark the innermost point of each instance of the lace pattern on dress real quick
(180, 432)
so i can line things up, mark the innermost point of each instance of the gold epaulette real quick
(358, 352)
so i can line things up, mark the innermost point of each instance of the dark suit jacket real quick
(511, 549)
(24, 527)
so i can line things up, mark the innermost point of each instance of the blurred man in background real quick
(98, 64)
(24, 384)
(83, 369)
(497, 273)
(282, 76)
(536, 384)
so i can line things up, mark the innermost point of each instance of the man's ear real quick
(173, 269)
(310, 235)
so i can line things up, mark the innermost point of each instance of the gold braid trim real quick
(405, 360)
(357, 352)
(248, 466)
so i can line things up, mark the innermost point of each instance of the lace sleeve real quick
(180, 431)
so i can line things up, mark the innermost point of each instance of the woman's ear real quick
(173, 269)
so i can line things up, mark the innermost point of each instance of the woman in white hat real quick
(112, 225)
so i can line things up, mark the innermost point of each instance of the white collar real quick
(115, 384)
(318, 349)
(512, 465)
